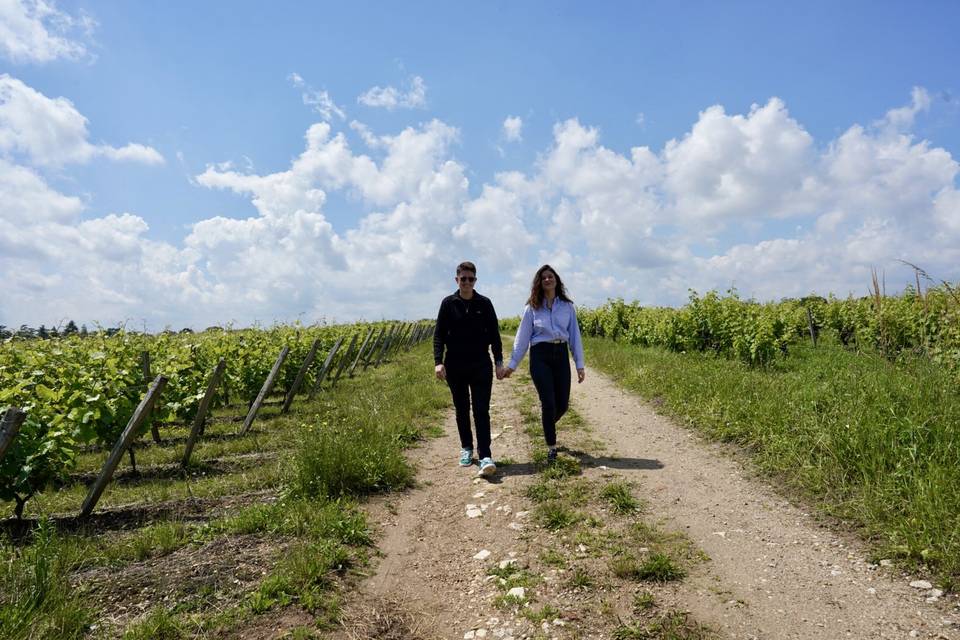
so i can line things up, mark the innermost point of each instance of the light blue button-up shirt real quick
(547, 324)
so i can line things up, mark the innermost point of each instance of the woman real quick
(548, 325)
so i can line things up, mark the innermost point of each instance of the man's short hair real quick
(467, 266)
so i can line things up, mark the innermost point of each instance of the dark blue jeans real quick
(471, 383)
(550, 370)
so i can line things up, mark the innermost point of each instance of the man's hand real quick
(441, 372)
(507, 371)
(581, 374)
(499, 372)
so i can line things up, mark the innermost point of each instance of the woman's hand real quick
(441, 372)
(507, 371)
(581, 375)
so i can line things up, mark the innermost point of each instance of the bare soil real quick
(208, 577)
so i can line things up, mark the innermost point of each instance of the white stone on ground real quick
(517, 592)
(483, 554)
(921, 584)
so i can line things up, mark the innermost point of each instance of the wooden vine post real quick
(264, 390)
(301, 374)
(386, 345)
(141, 413)
(813, 329)
(363, 347)
(373, 349)
(415, 336)
(398, 340)
(9, 427)
(325, 367)
(200, 418)
(147, 377)
(343, 361)
(407, 330)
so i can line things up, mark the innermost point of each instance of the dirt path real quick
(428, 583)
(774, 571)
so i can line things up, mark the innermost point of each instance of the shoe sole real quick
(488, 470)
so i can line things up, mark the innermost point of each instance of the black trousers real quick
(550, 370)
(471, 384)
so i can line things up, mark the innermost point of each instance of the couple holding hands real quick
(468, 329)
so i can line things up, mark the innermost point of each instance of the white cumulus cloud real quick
(513, 128)
(747, 200)
(37, 31)
(390, 98)
(51, 132)
(320, 101)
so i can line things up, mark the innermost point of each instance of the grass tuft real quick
(620, 499)
(555, 515)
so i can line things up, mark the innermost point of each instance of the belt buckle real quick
(557, 341)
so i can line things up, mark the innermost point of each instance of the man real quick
(467, 328)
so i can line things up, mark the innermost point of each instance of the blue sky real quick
(788, 149)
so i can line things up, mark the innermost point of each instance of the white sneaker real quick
(487, 467)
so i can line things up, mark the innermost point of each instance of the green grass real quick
(553, 558)
(256, 476)
(555, 515)
(544, 613)
(620, 498)
(305, 576)
(672, 625)
(580, 578)
(36, 602)
(658, 567)
(355, 444)
(643, 601)
(871, 441)
(542, 491)
(159, 624)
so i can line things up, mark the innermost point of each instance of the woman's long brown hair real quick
(536, 289)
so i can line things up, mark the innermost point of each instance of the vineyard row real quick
(59, 397)
(916, 322)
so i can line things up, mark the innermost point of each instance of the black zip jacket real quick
(466, 328)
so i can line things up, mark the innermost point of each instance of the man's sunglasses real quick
(468, 278)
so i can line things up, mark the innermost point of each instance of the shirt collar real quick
(459, 297)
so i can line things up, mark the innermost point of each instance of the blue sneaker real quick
(487, 467)
(466, 457)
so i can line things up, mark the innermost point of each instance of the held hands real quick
(441, 372)
(499, 372)
(581, 374)
(503, 373)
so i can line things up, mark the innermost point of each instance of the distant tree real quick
(42, 333)
(4, 333)
(54, 332)
(83, 331)
(26, 332)
(70, 329)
